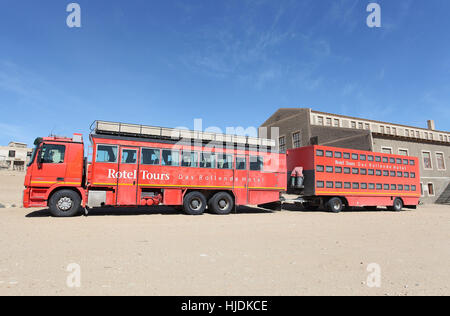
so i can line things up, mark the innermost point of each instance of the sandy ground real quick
(159, 252)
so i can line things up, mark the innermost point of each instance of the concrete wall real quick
(439, 178)
(18, 162)
(342, 137)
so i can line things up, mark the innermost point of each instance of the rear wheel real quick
(398, 205)
(194, 203)
(335, 205)
(65, 203)
(221, 203)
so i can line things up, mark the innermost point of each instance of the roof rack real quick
(125, 129)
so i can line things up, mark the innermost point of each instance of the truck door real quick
(241, 179)
(128, 176)
(51, 165)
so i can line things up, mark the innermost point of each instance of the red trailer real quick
(337, 177)
(135, 165)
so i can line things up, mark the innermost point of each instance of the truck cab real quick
(55, 175)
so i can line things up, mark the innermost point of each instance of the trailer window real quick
(329, 154)
(355, 186)
(385, 173)
(392, 160)
(338, 169)
(363, 157)
(385, 160)
(378, 172)
(355, 170)
(347, 170)
(363, 172)
(329, 169)
(330, 184)
(189, 159)
(379, 186)
(241, 163)
(53, 153)
(256, 163)
(399, 161)
(400, 187)
(225, 162)
(170, 158)
(207, 160)
(337, 154)
(319, 153)
(393, 187)
(364, 186)
(392, 173)
(413, 175)
(400, 174)
(377, 158)
(371, 186)
(320, 184)
(413, 188)
(386, 187)
(320, 168)
(347, 185)
(405, 161)
(129, 156)
(150, 156)
(106, 153)
(338, 185)
(355, 156)
(412, 162)
(406, 187)
(371, 172)
(370, 158)
(346, 155)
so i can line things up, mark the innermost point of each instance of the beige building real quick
(15, 156)
(302, 127)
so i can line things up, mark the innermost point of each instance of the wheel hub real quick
(223, 204)
(196, 204)
(64, 204)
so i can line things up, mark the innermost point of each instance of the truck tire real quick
(194, 203)
(221, 203)
(65, 203)
(398, 205)
(335, 205)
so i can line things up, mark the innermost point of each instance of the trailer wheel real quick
(335, 205)
(398, 205)
(194, 203)
(221, 203)
(65, 203)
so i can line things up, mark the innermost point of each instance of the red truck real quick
(136, 165)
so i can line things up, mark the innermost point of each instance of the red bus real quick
(135, 165)
(337, 177)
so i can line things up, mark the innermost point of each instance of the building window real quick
(406, 132)
(336, 123)
(328, 121)
(382, 129)
(426, 155)
(320, 120)
(421, 189)
(394, 131)
(12, 154)
(360, 125)
(440, 161)
(417, 134)
(386, 150)
(430, 189)
(388, 130)
(282, 144)
(296, 140)
(353, 124)
(367, 126)
(403, 152)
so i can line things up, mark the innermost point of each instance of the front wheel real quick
(65, 203)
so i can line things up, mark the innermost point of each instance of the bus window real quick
(364, 186)
(355, 171)
(413, 175)
(319, 153)
(400, 187)
(346, 155)
(189, 159)
(378, 173)
(385, 160)
(129, 156)
(413, 188)
(347, 170)
(355, 156)
(241, 163)
(386, 187)
(391, 160)
(393, 187)
(330, 184)
(320, 168)
(355, 185)
(406, 187)
(337, 154)
(371, 186)
(329, 169)
(320, 184)
(150, 156)
(338, 185)
(385, 173)
(256, 163)
(405, 161)
(207, 160)
(399, 161)
(347, 185)
(225, 162)
(371, 172)
(362, 157)
(106, 153)
(370, 158)
(377, 158)
(379, 186)
(399, 174)
(170, 158)
(412, 162)
(392, 173)
(406, 174)
(329, 154)
(338, 169)
(363, 172)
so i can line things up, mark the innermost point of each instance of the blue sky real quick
(229, 62)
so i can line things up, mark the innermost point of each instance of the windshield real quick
(37, 142)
